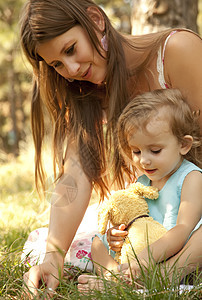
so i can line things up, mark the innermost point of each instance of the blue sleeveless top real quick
(165, 208)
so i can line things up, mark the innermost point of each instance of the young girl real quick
(85, 73)
(159, 135)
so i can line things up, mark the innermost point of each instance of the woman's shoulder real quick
(182, 62)
(183, 41)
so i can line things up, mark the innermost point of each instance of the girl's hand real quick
(116, 237)
(48, 272)
(131, 273)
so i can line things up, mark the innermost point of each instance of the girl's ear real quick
(186, 144)
(97, 17)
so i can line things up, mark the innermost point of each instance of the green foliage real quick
(119, 13)
(199, 19)
(14, 81)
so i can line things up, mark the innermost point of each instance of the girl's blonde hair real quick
(76, 108)
(181, 119)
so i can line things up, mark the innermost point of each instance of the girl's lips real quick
(87, 74)
(150, 171)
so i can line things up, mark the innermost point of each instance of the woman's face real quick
(73, 56)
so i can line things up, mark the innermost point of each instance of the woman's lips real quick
(87, 74)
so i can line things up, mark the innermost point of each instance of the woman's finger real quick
(52, 283)
(31, 281)
(50, 292)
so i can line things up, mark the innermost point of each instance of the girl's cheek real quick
(135, 160)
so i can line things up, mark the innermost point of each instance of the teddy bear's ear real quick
(103, 218)
(149, 192)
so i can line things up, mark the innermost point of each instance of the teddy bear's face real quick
(124, 207)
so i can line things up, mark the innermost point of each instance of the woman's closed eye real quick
(57, 64)
(70, 50)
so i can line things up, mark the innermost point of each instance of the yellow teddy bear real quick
(129, 207)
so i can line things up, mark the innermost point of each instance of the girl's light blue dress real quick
(165, 208)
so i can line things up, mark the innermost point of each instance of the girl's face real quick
(156, 151)
(73, 56)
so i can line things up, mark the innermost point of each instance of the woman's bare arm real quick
(69, 203)
(183, 67)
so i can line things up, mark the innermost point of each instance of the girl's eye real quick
(136, 152)
(156, 151)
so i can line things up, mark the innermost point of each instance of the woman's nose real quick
(72, 68)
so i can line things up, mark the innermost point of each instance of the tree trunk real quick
(155, 15)
(13, 136)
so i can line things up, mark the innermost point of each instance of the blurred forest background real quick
(136, 16)
(21, 210)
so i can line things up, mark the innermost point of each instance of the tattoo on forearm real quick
(67, 186)
(75, 163)
(68, 191)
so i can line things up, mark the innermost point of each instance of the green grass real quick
(21, 212)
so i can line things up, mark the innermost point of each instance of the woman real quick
(85, 72)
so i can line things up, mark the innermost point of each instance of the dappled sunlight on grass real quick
(21, 210)
(19, 215)
(16, 209)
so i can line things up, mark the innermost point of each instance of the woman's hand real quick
(116, 237)
(48, 272)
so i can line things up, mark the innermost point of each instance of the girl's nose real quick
(144, 160)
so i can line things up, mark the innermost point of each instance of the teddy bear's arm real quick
(103, 218)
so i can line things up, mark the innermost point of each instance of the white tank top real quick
(160, 63)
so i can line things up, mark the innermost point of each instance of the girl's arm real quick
(69, 202)
(183, 67)
(189, 214)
